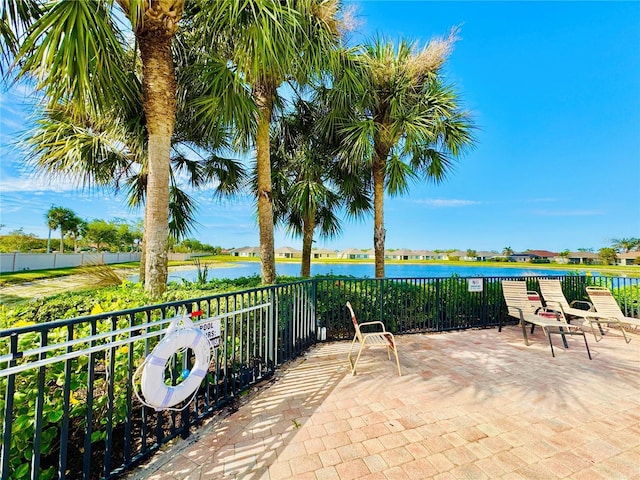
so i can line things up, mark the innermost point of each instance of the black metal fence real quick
(71, 383)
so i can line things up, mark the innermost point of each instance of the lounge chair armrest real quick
(372, 323)
(583, 302)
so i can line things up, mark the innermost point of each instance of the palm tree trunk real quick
(61, 240)
(159, 89)
(142, 266)
(308, 227)
(379, 233)
(264, 99)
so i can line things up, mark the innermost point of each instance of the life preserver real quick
(156, 393)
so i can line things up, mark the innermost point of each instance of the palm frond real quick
(16, 17)
(182, 213)
(398, 175)
(74, 52)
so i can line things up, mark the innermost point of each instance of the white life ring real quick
(156, 393)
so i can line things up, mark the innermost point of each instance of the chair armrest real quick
(372, 323)
(584, 302)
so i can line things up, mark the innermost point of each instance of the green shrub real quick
(27, 386)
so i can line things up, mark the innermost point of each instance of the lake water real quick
(362, 270)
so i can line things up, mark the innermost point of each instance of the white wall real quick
(17, 262)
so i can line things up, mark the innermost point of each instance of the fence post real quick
(314, 306)
(5, 455)
(483, 303)
(438, 304)
(382, 283)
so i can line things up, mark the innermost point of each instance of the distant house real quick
(533, 255)
(580, 258)
(245, 252)
(324, 253)
(353, 254)
(401, 254)
(288, 252)
(484, 256)
(423, 254)
(542, 254)
(629, 258)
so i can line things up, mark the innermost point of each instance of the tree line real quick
(332, 126)
(77, 234)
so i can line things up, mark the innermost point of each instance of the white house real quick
(245, 252)
(323, 253)
(629, 258)
(288, 252)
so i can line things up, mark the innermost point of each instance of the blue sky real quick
(554, 88)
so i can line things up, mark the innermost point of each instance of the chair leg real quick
(627, 340)
(593, 330)
(350, 352)
(553, 354)
(395, 351)
(564, 339)
(524, 333)
(586, 345)
(353, 371)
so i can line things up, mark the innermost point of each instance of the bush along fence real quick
(71, 393)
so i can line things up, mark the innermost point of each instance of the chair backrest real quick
(551, 290)
(516, 296)
(355, 321)
(604, 302)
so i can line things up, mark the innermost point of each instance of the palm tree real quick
(403, 122)
(75, 227)
(625, 244)
(59, 218)
(76, 52)
(309, 185)
(270, 43)
(507, 251)
(110, 151)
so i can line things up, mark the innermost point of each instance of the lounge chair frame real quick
(607, 311)
(527, 307)
(380, 338)
(553, 295)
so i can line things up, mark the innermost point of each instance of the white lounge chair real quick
(553, 295)
(380, 338)
(527, 307)
(607, 311)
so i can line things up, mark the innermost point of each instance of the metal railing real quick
(71, 382)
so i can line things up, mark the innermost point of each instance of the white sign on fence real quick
(212, 330)
(475, 284)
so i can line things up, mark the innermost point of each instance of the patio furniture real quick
(380, 338)
(553, 295)
(527, 307)
(608, 311)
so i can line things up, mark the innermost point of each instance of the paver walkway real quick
(476, 404)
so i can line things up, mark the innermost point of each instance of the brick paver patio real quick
(476, 404)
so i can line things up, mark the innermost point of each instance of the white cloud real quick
(33, 184)
(446, 202)
(568, 213)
